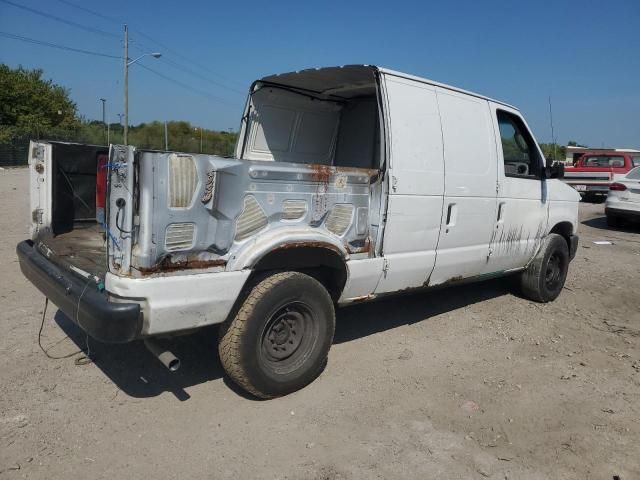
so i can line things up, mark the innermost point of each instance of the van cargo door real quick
(40, 186)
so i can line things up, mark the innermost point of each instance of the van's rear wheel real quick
(544, 279)
(280, 338)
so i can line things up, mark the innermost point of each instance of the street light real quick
(104, 123)
(127, 63)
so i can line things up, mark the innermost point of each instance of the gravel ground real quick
(469, 382)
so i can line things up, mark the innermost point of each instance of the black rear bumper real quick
(618, 212)
(82, 302)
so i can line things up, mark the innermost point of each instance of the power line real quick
(164, 46)
(182, 68)
(178, 54)
(194, 73)
(143, 48)
(55, 45)
(184, 85)
(92, 12)
(105, 33)
(61, 20)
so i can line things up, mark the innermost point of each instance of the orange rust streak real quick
(166, 265)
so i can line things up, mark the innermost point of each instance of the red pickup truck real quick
(593, 172)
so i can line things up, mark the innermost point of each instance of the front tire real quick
(544, 279)
(280, 338)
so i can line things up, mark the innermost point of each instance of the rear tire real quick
(544, 279)
(280, 338)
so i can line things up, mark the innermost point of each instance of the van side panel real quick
(469, 210)
(416, 184)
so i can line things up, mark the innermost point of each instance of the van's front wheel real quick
(544, 279)
(280, 338)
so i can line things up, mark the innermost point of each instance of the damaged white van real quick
(347, 184)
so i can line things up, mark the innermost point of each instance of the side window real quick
(635, 161)
(521, 157)
(604, 161)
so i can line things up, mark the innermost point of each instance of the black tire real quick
(544, 279)
(280, 338)
(614, 221)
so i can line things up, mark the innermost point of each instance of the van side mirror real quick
(554, 169)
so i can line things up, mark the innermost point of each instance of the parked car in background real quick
(594, 172)
(623, 201)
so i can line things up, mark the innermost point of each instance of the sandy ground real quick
(469, 382)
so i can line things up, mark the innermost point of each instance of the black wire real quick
(196, 74)
(164, 46)
(92, 12)
(118, 226)
(55, 45)
(79, 361)
(178, 54)
(184, 85)
(61, 20)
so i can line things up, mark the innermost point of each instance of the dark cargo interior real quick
(78, 239)
(74, 185)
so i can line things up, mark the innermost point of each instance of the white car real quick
(623, 201)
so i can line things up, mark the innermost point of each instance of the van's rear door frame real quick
(40, 186)
(120, 202)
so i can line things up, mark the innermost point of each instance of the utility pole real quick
(196, 129)
(230, 143)
(126, 84)
(553, 137)
(104, 123)
(166, 137)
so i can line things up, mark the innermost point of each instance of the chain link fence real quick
(15, 153)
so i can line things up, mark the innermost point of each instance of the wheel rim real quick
(553, 273)
(289, 337)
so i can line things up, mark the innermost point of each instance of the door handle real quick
(452, 211)
(501, 207)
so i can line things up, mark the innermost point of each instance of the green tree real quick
(553, 151)
(31, 105)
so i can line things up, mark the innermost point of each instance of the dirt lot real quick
(469, 382)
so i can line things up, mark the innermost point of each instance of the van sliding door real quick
(416, 176)
(469, 210)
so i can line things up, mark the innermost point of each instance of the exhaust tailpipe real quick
(167, 358)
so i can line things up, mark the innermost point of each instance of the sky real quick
(584, 54)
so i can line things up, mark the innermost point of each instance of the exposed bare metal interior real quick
(84, 247)
(310, 151)
(327, 117)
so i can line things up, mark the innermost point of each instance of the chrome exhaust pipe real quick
(167, 358)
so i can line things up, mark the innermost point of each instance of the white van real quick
(347, 184)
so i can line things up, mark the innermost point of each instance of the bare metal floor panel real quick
(83, 247)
